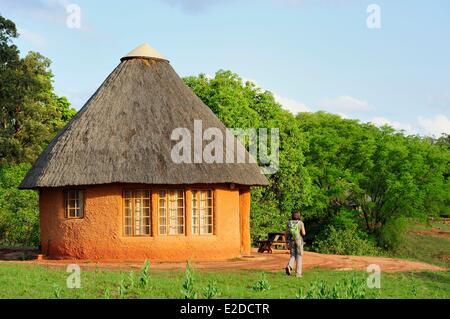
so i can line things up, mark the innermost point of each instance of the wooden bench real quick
(274, 240)
(265, 245)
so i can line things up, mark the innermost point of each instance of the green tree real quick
(330, 166)
(444, 142)
(338, 154)
(407, 179)
(19, 216)
(30, 116)
(380, 175)
(31, 113)
(244, 105)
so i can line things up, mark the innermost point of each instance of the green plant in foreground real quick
(20, 281)
(56, 291)
(262, 284)
(122, 289)
(144, 278)
(131, 280)
(318, 290)
(300, 294)
(356, 289)
(349, 289)
(188, 290)
(107, 294)
(414, 287)
(335, 292)
(211, 290)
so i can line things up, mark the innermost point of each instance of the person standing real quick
(295, 231)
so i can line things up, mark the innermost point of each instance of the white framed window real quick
(171, 212)
(202, 212)
(74, 204)
(137, 213)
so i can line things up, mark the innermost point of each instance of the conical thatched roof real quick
(123, 134)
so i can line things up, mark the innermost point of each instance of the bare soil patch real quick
(259, 262)
(434, 232)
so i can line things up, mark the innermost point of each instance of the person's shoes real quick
(288, 270)
(299, 275)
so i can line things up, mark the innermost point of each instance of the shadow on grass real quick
(441, 277)
(12, 254)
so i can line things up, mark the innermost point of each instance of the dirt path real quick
(434, 232)
(267, 262)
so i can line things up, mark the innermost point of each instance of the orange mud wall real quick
(244, 198)
(99, 234)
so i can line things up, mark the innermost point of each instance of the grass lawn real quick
(426, 248)
(439, 225)
(33, 281)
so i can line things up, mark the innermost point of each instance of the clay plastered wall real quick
(99, 235)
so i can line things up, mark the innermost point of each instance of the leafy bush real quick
(354, 288)
(106, 294)
(344, 242)
(392, 235)
(346, 219)
(262, 284)
(122, 289)
(56, 291)
(19, 212)
(211, 291)
(265, 218)
(144, 278)
(343, 235)
(188, 283)
(131, 280)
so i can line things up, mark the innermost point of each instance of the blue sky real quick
(312, 54)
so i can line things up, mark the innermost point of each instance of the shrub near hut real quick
(19, 213)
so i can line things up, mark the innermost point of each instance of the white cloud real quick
(291, 104)
(344, 104)
(287, 103)
(408, 128)
(435, 126)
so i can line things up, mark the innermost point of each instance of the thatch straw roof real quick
(122, 134)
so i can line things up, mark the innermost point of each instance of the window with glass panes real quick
(171, 212)
(137, 213)
(74, 204)
(202, 212)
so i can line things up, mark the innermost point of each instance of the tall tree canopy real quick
(244, 105)
(336, 171)
(31, 113)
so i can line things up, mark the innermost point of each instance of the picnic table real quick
(273, 240)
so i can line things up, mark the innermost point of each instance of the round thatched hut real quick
(110, 189)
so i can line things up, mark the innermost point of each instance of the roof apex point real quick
(144, 51)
